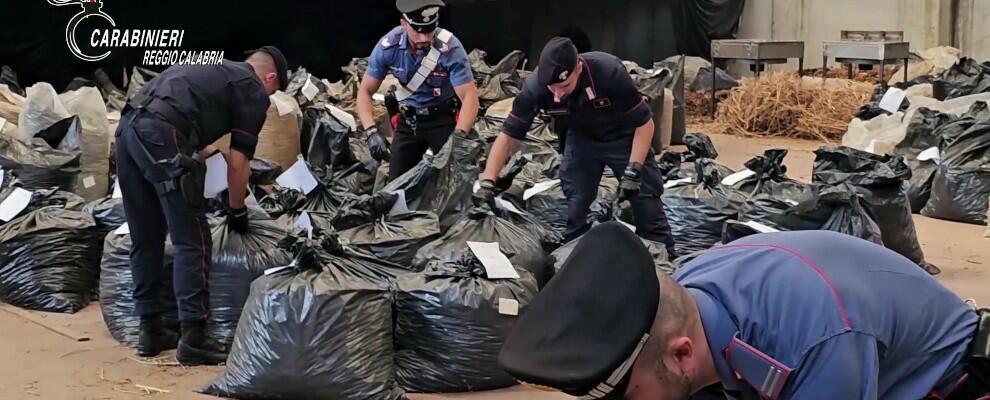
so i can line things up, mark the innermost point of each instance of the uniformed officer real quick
(609, 124)
(175, 115)
(437, 93)
(788, 315)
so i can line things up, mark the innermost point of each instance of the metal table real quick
(758, 52)
(851, 52)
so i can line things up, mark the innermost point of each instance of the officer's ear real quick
(271, 82)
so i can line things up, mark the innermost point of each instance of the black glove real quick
(237, 219)
(485, 194)
(629, 187)
(377, 145)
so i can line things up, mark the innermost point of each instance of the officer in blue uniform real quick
(609, 124)
(787, 315)
(437, 93)
(175, 116)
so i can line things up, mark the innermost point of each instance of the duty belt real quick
(161, 108)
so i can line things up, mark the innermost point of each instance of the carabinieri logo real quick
(133, 38)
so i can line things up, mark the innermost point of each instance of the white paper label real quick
(400, 206)
(2, 122)
(1, 176)
(539, 188)
(930, 154)
(675, 182)
(14, 204)
(892, 100)
(760, 227)
(89, 182)
(117, 193)
(283, 105)
(496, 264)
(309, 89)
(737, 177)
(629, 226)
(790, 202)
(343, 116)
(508, 306)
(123, 230)
(477, 185)
(270, 271)
(250, 200)
(298, 177)
(378, 97)
(304, 222)
(871, 147)
(506, 205)
(216, 176)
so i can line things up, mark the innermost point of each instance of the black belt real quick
(169, 113)
(449, 108)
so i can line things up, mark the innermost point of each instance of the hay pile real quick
(779, 105)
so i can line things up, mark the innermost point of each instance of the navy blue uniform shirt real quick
(852, 319)
(216, 100)
(605, 105)
(394, 55)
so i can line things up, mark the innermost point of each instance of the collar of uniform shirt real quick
(719, 330)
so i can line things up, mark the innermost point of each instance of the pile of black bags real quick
(961, 185)
(39, 166)
(321, 328)
(697, 211)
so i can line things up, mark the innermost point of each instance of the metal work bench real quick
(867, 48)
(758, 52)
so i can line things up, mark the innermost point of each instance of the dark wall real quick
(325, 35)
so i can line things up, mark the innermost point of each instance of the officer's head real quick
(669, 366)
(270, 66)
(610, 325)
(420, 19)
(559, 69)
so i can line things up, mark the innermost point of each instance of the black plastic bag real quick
(108, 213)
(780, 214)
(264, 172)
(442, 184)
(850, 214)
(282, 201)
(922, 134)
(675, 166)
(395, 239)
(450, 323)
(117, 291)
(880, 179)
(697, 211)
(964, 78)
(9, 77)
(238, 259)
(49, 260)
(770, 177)
(480, 224)
(39, 166)
(962, 182)
(41, 198)
(54, 134)
(550, 206)
(657, 250)
(319, 330)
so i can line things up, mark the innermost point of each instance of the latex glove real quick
(237, 219)
(377, 145)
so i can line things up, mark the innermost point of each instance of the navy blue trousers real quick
(151, 217)
(581, 172)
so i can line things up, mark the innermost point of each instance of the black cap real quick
(557, 61)
(423, 15)
(582, 333)
(281, 65)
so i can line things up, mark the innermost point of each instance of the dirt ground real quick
(43, 365)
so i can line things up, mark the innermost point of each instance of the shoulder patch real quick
(389, 41)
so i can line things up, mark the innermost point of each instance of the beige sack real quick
(87, 103)
(664, 121)
(279, 138)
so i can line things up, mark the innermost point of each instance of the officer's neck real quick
(706, 374)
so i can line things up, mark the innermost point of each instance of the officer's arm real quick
(468, 93)
(843, 367)
(369, 85)
(514, 129)
(238, 173)
(642, 142)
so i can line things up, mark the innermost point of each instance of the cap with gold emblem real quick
(583, 332)
(423, 15)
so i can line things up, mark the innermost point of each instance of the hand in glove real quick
(629, 187)
(485, 194)
(237, 219)
(377, 145)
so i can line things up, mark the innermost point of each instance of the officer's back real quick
(788, 292)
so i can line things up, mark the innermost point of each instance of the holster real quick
(190, 180)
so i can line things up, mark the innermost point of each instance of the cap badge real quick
(563, 75)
